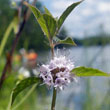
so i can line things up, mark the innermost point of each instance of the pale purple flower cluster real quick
(57, 72)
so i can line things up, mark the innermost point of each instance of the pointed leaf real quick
(39, 18)
(47, 11)
(46, 22)
(66, 13)
(68, 40)
(85, 72)
(23, 85)
(50, 23)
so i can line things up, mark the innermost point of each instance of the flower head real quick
(57, 72)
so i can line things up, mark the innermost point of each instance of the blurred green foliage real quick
(31, 37)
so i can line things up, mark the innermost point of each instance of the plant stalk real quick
(54, 99)
(54, 90)
(25, 97)
(52, 48)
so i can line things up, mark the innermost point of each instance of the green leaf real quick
(68, 40)
(39, 18)
(85, 72)
(47, 11)
(50, 24)
(46, 22)
(23, 85)
(66, 13)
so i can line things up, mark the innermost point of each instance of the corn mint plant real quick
(59, 71)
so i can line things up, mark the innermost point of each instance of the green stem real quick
(52, 47)
(52, 50)
(5, 37)
(23, 99)
(54, 99)
(54, 90)
(9, 104)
